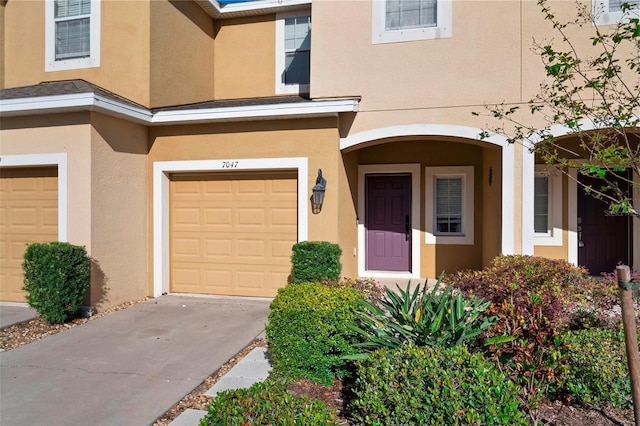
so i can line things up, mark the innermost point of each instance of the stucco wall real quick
(182, 49)
(316, 139)
(70, 134)
(2, 26)
(119, 226)
(124, 58)
(244, 64)
(448, 257)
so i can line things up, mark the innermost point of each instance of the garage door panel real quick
(245, 227)
(28, 213)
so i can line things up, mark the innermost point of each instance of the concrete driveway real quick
(129, 367)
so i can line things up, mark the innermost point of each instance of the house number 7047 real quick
(229, 164)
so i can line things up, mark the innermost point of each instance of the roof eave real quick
(92, 102)
(262, 7)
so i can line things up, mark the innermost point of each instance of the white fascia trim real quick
(414, 169)
(161, 208)
(80, 101)
(351, 142)
(288, 110)
(60, 161)
(92, 102)
(217, 10)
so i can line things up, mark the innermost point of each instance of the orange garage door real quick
(232, 234)
(28, 213)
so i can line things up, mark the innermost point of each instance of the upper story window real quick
(72, 34)
(609, 12)
(449, 205)
(293, 53)
(406, 20)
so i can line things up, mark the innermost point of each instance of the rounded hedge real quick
(308, 331)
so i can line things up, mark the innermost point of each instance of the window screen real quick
(541, 204)
(73, 29)
(404, 14)
(448, 191)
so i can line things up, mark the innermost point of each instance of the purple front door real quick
(388, 222)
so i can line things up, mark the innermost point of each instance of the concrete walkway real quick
(12, 313)
(126, 368)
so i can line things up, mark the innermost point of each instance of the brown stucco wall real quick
(119, 226)
(316, 139)
(182, 46)
(244, 64)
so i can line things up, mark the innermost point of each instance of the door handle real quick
(407, 228)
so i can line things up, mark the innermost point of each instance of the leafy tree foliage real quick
(594, 93)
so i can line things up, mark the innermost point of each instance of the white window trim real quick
(468, 232)
(161, 179)
(50, 63)
(414, 170)
(58, 160)
(380, 35)
(282, 88)
(602, 16)
(553, 237)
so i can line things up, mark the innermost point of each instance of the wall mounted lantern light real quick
(317, 197)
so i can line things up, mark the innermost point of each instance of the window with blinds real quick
(72, 29)
(297, 50)
(448, 205)
(616, 5)
(404, 14)
(541, 205)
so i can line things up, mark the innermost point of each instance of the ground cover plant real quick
(414, 385)
(56, 277)
(266, 403)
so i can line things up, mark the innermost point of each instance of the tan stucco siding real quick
(315, 139)
(182, 46)
(2, 31)
(430, 153)
(124, 48)
(244, 64)
(426, 73)
(119, 226)
(69, 134)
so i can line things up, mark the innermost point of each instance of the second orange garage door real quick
(232, 234)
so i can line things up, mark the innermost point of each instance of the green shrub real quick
(421, 317)
(308, 331)
(266, 403)
(432, 386)
(597, 371)
(371, 290)
(56, 276)
(534, 299)
(315, 261)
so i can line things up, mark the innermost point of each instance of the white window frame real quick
(380, 35)
(602, 16)
(282, 88)
(553, 236)
(468, 189)
(92, 61)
